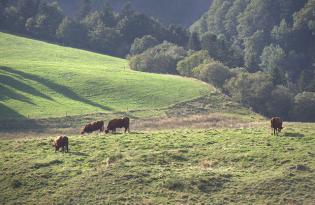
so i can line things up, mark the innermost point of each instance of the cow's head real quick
(52, 143)
(280, 128)
(82, 132)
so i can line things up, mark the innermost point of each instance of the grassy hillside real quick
(40, 80)
(217, 166)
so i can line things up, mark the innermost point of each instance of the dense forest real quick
(261, 53)
(99, 29)
(181, 12)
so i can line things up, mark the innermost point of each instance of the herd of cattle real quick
(63, 141)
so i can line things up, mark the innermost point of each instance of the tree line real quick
(261, 53)
(102, 29)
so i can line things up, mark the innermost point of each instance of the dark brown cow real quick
(276, 124)
(93, 126)
(61, 141)
(118, 123)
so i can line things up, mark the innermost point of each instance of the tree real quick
(83, 9)
(105, 40)
(72, 33)
(254, 46)
(215, 73)
(258, 15)
(280, 102)
(27, 9)
(214, 45)
(108, 15)
(185, 67)
(304, 106)
(141, 44)
(272, 61)
(159, 59)
(177, 34)
(194, 41)
(251, 89)
(45, 24)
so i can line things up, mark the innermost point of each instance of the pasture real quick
(189, 143)
(42, 80)
(199, 166)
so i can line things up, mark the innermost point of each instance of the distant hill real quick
(183, 12)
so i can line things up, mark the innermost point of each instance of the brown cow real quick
(93, 126)
(118, 123)
(61, 141)
(276, 124)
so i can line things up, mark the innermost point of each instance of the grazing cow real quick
(93, 126)
(61, 141)
(276, 125)
(118, 123)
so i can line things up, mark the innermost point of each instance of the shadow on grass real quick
(293, 134)
(79, 154)
(61, 89)
(12, 121)
(19, 85)
(6, 93)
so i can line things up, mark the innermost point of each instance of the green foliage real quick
(185, 67)
(272, 57)
(254, 46)
(141, 44)
(159, 59)
(280, 102)
(71, 33)
(194, 41)
(215, 73)
(251, 89)
(46, 21)
(84, 8)
(304, 106)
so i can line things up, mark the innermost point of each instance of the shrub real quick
(304, 106)
(251, 89)
(185, 67)
(141, 44)
(214, 72)
(280, 102)
(159, 59)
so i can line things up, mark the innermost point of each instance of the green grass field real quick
(214, 166)
(41, 80)
(240, 164)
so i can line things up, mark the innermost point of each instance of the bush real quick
(304, 106)
(251, 89)
(159, 59)
(141, 44)
(280, 102)
(185, 67)
(214, 72)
